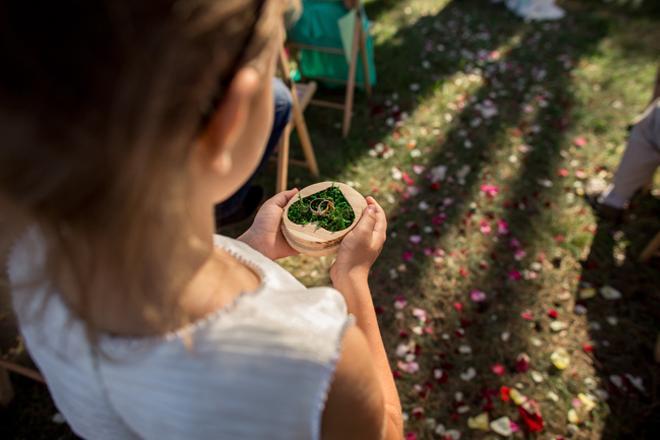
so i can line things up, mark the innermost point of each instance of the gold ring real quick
(324, 206)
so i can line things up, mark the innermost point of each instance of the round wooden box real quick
(311, 239)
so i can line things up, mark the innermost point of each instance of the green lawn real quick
(522, 115)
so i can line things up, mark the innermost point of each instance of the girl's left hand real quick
(265, 234)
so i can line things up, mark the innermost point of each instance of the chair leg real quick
(283, 159)
(365, 61)
(350, 87)
(650, 249)
(6, 390)
(305, 141)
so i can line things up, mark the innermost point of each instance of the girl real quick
(123, 124)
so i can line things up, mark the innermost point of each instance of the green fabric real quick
(319, 25)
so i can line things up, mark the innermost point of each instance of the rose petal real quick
(479, 422)
(477, 296)
(502, 426)
(498, 369)
(560, 358)
(502, 227)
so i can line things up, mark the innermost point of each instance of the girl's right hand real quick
(360, 248)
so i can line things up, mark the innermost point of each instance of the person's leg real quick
(237, 203)
(636, 169)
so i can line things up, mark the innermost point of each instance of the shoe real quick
(251, 203)
(604, 212)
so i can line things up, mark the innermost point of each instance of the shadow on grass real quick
(624, 331)
(542, 51)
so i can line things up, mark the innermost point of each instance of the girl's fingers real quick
(365, 226)
(380, 228)
(281, 199)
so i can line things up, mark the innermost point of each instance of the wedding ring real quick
(322, 207)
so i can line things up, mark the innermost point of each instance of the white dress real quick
(259, 369)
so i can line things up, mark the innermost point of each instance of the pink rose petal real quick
(580, 141)
(502, 227)
(477, 296)
(490, 190)
(406, 178)
(484, 227)
(498, 369)
(519, 254)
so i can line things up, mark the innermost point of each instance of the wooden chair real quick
(651, 249)
(359, 46)
(301, 95)
(6, 390)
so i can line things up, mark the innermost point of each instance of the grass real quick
(327, 209)
(519, 117)
(479, 141)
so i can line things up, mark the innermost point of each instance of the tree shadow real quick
(480, 326)
(624, 331)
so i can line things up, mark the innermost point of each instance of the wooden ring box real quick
(312, 240)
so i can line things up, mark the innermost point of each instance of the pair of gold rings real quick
(321, 207)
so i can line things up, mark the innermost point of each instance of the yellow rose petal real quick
(479, 422)
(560, 359)
(517, 397)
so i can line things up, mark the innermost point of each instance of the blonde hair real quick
(99, 105)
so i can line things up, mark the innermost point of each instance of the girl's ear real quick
(229, 121)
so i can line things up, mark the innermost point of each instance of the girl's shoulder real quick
(280, 317)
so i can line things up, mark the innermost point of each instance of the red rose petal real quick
(515, 275)
(522, 363)
(531, 416)
(504, 393)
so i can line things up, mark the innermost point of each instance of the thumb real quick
(281, 199)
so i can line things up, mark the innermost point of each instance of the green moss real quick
(334, 219)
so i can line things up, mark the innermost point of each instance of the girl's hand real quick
(265, 234)
(360, 248)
